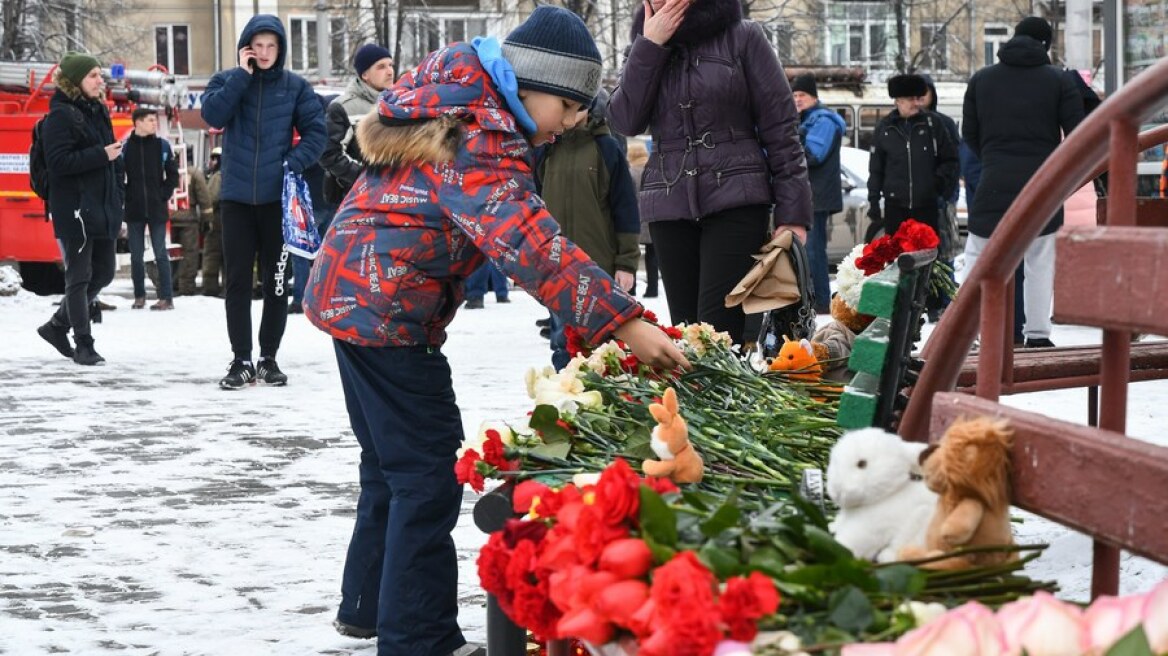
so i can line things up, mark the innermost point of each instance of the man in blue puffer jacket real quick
(258, 104)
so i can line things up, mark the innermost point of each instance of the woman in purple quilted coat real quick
(727, 167)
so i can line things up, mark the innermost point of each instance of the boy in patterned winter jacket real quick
(448, 185)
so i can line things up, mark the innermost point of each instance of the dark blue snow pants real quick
(401, 572)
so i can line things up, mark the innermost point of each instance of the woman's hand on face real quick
(661, 24)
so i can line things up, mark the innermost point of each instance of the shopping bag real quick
(779, 286)
(300, 234)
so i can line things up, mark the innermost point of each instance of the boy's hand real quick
(799, 231)
(651, 345)
(625, 280)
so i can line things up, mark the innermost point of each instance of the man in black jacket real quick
(914, 160)
(151, 177)
(85, 199)
(341, 159)
(1016, 113)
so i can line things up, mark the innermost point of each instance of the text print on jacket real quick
(257, 112)
(449, 183)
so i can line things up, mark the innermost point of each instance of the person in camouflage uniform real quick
(185, 227)
(213, 231)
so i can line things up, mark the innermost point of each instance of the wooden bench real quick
(1036, 370)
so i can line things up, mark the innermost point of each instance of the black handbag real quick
(797, 320)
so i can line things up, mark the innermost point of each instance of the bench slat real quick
(1098, 482)
(1112, 277)
(1072, 366)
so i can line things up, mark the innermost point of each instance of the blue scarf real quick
(491, 56)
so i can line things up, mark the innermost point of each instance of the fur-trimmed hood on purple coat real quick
(724, 125)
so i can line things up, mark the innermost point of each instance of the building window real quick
(339, 43)
(172, 48)
(934, 48)
(995, 37)
(780, 35)
(302, 43)
(425, 33)
(861, 34)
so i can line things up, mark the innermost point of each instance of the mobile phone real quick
(251, 64)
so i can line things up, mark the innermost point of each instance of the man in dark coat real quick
(85, 199)
(151, 178)
(258, 104)
(1016, 113)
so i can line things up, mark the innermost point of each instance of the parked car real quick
(846, 228)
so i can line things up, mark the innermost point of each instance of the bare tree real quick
(43, 30)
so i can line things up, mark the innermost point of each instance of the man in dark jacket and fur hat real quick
(1016, 113)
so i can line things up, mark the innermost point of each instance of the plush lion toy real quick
(968, 469)
(678, 462)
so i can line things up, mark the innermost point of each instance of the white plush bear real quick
(875, 478)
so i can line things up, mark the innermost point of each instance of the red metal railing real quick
(1107, 139)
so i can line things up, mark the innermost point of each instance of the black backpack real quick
(38, 168)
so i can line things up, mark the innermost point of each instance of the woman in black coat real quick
(85, 198)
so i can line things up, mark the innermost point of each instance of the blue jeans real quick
(401, 571)
(817, 259)
(477, 282)
(136, 235)
(559, 343)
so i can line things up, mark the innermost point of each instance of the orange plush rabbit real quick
(679, 461)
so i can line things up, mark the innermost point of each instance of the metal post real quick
(504, 638)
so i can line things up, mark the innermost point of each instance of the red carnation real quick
(744, 602)
(648, 315)
(492, 563)
(682, 582)
(618, 493)
(493, 449)
(593, 534)
(661, 485)
(465, 470)
(916, 236)
(525, 493)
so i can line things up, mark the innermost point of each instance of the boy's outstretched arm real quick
(651, 345)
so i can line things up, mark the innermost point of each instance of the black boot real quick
(95, 312)
(58, 336)
(85, 353)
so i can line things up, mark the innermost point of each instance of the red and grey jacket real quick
(449, 184)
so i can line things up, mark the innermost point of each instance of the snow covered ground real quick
(145, 511)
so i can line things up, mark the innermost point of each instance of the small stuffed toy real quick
(875, 478)
(678, 462)
(799, 357)
(968, 469)
(833, 341)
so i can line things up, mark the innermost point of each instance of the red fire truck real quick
(26, 235)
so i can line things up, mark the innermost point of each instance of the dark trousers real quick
(187, 235)
(487, 277)
(817, 260)
(89, 266)
(136, 236)
(301, 266)
(651, 272)
(401, 571)
(251, 231)
(702, 260)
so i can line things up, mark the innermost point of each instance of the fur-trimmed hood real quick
(408, 142)
(703, 20)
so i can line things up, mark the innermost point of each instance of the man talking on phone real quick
(258, 104)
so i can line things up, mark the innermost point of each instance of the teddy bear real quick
(875, 478)
(832, 343)
(969, 470)
(678, 461)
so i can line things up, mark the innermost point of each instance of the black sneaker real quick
(58, 336)
(474, 304)
(295, 308)
(239, 374)
(85, 353)
(1039, 342)
(269, 373)
(470, 649)
(351, 631)
(545, 333)
(543, 323)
